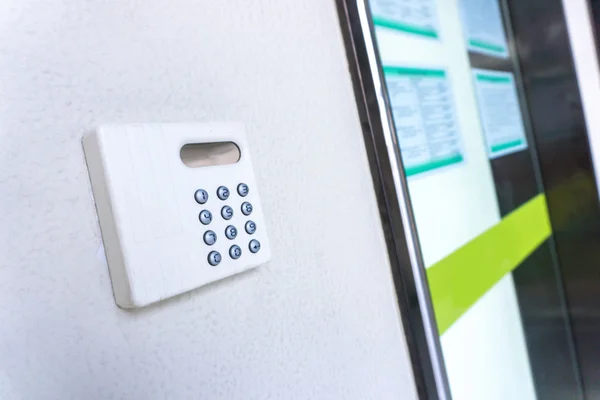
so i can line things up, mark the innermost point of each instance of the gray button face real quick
(243, 189)
(250, 227)
(205, 217)
(231, 232)
(235, 252)
(210, 238)
(254, 246)
(201, 196)
(227, 212)
(223, 193)
(214, 258)
(247, 208)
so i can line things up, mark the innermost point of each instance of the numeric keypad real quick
(227, 213)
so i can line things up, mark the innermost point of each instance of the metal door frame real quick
(391, 188)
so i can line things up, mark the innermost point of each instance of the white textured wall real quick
(320, 321)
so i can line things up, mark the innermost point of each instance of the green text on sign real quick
(487, 46)
(402, 27)
(407, 71)
(508, 145)
(430, 166)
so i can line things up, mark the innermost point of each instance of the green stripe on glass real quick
(406, 71)
(487, 46)
(493, 79)
(458, 281)
(507, 145)
(399, 26)
(417, 169)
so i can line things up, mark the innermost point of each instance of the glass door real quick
(451, 103)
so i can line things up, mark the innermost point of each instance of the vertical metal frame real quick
(391, 187)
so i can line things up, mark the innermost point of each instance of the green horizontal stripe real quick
(458, 281)
(492, 78)
(487, 46)
(406, 71)
(507, 145)
(410, 171)
(399, 26)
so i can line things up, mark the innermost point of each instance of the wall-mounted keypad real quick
(227, 211)
(194, 211)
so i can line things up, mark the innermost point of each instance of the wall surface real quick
(320, 321)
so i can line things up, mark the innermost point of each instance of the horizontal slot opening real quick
(196, 155)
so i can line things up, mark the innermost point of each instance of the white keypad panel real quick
(170, 227)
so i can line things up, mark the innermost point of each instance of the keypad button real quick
(247, 208)
(201, 196)
(223, 193)
(205, 217)
(214, 258)
(254, 246)
(210, 238)
(243, 189)
(250, 227)
(231, 232)
(227, 212)
(235, 252)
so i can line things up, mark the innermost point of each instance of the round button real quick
(247, 208)
(231, 232)
(243, 189)
(210, 238)
(250, 227)
(205, 217)
(214, 258)
(235, 252)
(227, 212)
(254, 246)
(223, 193)
(201, 196)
